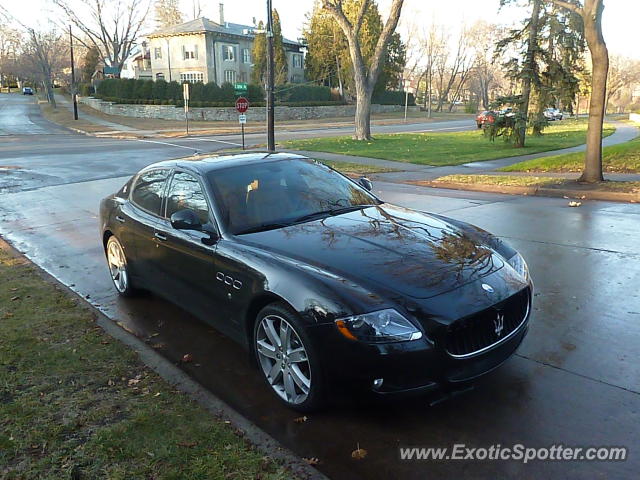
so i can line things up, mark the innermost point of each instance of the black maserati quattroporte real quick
(327, 285)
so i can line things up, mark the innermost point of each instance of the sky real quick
(620, 19)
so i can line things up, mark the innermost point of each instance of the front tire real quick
(118, 268)
(286, 358)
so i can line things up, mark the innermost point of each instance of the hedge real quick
(392, 97)
(161, 92)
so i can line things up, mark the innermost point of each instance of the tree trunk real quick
(592, 17)
(529, 68)
(363, 112)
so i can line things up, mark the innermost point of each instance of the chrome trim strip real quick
(499, 342)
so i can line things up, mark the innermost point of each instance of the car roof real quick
(206, 164)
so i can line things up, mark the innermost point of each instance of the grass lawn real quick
(531, 181)
(621, 158)
(76, 404)
(435, 148)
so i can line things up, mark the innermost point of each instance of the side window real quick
(185, 192)
(147, 192)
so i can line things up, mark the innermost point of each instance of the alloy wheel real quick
(117, 265)
(283, 359)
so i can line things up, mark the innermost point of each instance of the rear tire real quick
(118, 268)
(287, 359)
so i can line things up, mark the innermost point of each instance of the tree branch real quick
(569, 6)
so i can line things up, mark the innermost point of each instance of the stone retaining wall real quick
(226, 114)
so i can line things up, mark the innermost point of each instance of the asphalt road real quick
(575, 380)
(46, 154)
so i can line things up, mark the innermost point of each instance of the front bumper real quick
(407, 368)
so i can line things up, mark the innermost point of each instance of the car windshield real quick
(273, 194)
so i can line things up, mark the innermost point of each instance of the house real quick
(138, 65)
(202, 50)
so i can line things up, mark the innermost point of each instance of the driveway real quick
(575, 380)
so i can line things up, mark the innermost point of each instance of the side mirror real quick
(185, 220)
(366, 183)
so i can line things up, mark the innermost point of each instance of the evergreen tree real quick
(259, 52)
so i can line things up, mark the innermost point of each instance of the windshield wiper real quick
(263, 227)
(330, 212)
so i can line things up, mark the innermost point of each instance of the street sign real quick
(240, 88)
(185, 91)
(242, 105)
(242, 118)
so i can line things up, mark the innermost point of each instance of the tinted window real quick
(147, 193)
(185, 192)
(281, 192)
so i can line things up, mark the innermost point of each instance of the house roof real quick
(203, 24)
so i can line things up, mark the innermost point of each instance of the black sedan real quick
(328, 287)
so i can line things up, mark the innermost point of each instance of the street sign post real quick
(185, 95)
(242, 105)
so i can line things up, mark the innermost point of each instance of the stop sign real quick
(242, 104)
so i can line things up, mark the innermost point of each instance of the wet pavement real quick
(575, 380)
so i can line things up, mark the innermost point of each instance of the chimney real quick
(221, 22)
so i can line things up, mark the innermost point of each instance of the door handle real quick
(119, 218)
(160, 236)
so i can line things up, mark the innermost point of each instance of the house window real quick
(190, 53)
(157, 53)
(297, 61)
(228, 53)
(192, 77)
(230, 76)
(246, 55)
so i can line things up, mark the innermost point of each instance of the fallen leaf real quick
(575, 204)
(105, 342)
(13, 299)
(301, 419)
(312, 460)
(187, 444)
(111, 383)
(187, 358)
(359, 453)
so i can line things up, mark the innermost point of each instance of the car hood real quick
(402, 250)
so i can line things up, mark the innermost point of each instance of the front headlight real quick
(378, 327)
(520, 266)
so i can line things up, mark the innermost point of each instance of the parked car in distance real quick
(330, 288)
(485, 118)
(27, 91)
(552, 114)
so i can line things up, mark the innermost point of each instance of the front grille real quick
(478, 332)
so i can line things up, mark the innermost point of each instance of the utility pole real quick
(73, 79)
(271, 141)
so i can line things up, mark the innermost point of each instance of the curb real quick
(534, 191)
(178, 379)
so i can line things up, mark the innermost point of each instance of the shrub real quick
(302, 93)
(392, 97)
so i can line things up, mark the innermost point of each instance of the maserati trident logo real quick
(487, 288)
(498, 323)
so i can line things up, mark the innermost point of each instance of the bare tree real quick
(112, 26)
(167, 13)
(454, 70)
(10, 44)
(486, 75)
(590, 11)
(47, 55)
(365, 77)
(624, 73)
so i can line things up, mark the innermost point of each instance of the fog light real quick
(377, 383)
